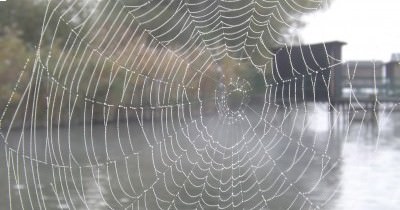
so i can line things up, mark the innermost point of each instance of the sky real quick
(371, 28)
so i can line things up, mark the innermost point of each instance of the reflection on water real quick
(285, 159)
(370, 177)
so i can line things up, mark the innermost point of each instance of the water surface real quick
(284, 159)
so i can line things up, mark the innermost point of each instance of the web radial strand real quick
(151, 105)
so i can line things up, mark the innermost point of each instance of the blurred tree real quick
(106, 26)
(26, 17)
(239, 25)
(13, 55)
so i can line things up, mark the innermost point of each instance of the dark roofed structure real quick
(313, 67)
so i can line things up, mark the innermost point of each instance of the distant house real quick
(395, 57)
(308, 72)
(364, 69)
(364, 78)
(393, 74)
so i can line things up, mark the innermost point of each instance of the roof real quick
(300, 59)
(330, 43)
(364, 64)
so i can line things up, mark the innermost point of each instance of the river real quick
(286, 159)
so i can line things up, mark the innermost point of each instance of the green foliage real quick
(13, 55)
(25, 16)
(69, 28)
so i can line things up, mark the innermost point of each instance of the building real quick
(308, 72)
(393, 74)
(395, 57)
(363, 78)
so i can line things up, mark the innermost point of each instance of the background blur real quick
(199, 104)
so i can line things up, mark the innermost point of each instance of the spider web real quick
(146, 112)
